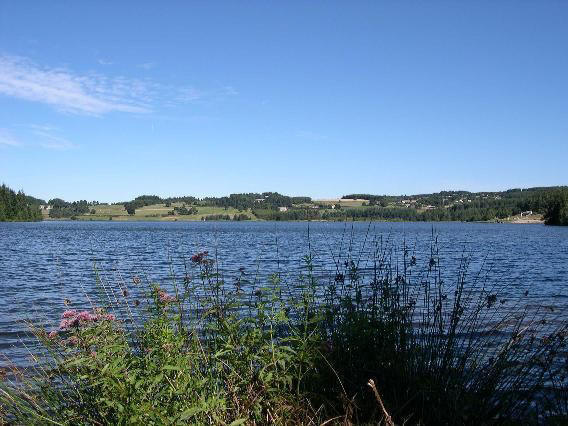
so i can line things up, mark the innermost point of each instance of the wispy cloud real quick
(47, 137)
(91, 93)
(6, 139)
(104, 62)
(96, 94)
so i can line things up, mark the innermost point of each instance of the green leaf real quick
(158, 379)
(190, 412)
(238, 422)
(172, 367)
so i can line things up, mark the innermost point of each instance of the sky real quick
(105, 101)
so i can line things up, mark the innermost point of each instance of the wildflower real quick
(71, 319)
(164, 297)
(72, 341)
(52, 334)
(67, 323)
(201, 258)
(136, 280)
(86, 317)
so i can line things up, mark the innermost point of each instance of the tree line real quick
(62, 209)
(242, 201)
(265, 200)
(552, 202)
(556, 207)
(17, 206)
(465, 206)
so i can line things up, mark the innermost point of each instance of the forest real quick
(17, 206)
(557, 208)
(549, 202)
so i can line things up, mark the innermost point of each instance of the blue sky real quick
(109, 100)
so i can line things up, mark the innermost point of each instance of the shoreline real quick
(149, 219)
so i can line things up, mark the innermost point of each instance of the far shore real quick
(86, 218)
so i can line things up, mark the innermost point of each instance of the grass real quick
(342, 202)
(383, 340)
(155, 212)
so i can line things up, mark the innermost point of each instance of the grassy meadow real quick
(155, 212)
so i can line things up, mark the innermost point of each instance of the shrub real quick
(384, 340)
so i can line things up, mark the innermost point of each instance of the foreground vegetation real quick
(383, 340)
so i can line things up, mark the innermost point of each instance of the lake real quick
(44, 263)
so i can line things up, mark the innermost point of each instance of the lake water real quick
(44, 263)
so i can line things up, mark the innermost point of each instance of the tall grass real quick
(383, 340)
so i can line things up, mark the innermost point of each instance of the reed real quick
(207, 350)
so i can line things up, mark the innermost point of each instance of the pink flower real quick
(86, 316)
(165, 297)
(75, 319)
(68, 323)
(72, 341)
(52, 334)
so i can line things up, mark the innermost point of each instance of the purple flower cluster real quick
(72, 318)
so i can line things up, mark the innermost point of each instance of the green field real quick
(342, 202)
(156, 212)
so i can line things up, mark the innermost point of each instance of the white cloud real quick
(7, 139)
(90, 94)
(93, 93)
